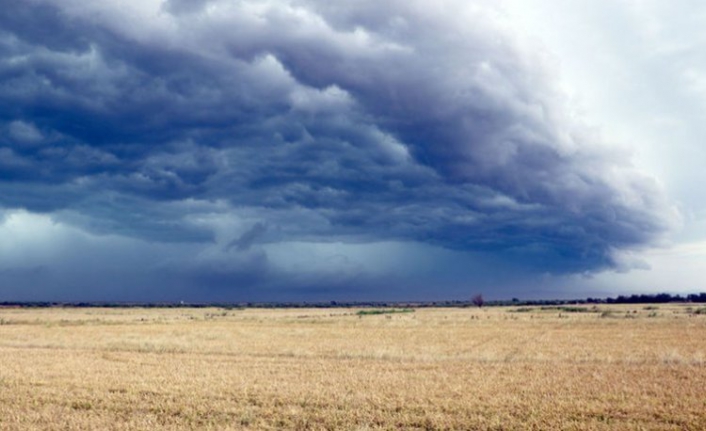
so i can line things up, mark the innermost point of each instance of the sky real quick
(303, 150)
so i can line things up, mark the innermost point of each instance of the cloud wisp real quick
(240, 127)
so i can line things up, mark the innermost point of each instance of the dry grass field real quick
(615, 367)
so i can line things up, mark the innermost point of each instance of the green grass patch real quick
(521, 310)
(568, 309)
(384, 311)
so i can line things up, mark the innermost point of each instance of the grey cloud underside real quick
(319, 123)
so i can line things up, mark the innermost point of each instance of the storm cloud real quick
(238, 133)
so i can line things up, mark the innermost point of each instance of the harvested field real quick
(572, 368)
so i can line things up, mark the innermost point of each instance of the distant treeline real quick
(658, 298)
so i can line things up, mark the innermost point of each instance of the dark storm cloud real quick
(247, 239)
(311, 122)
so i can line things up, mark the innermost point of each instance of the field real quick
(634, 367)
